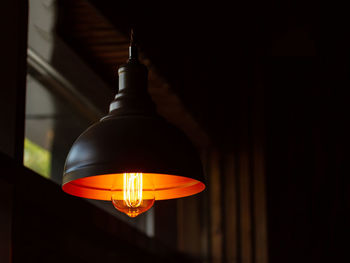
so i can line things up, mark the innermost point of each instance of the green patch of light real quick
(37, 158)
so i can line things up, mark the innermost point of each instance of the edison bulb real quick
(136, 195)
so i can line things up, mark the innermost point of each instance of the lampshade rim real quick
(181, 188)
(93, 170)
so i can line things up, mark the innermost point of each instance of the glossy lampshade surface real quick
(120, 145)
(133, 138)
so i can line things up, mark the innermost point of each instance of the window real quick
(52, 125)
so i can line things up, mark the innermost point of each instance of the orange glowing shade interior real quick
(163, 186)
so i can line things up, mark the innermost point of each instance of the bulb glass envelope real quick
(119, 144)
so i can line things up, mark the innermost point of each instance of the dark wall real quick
(307, 105)
(13, 44)
(13, 28)
(6, 194)
(289, 126)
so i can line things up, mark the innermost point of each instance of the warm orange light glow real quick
(132, 189)
(133, 199)
(154, 187)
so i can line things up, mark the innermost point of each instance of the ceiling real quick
(214, 55)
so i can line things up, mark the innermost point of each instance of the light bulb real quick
(136, 195)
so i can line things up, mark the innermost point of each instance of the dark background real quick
(267, 77)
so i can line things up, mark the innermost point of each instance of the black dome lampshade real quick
(132, 156)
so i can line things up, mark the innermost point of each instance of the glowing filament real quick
(133, 189)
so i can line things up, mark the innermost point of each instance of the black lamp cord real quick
(133, 50)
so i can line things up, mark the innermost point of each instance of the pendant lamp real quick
(132, 156)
